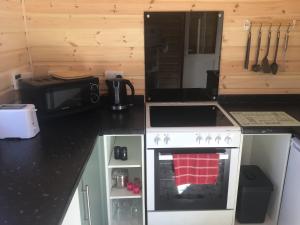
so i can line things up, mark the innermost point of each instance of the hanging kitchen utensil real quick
(256, 67)
(285, 47)
(274, 65)
(246, 64)
(265, 62)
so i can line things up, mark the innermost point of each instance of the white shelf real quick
(134, 153)
(125, 217)
(130, 163)
(121, 193)
(135, 166)
(126, 221)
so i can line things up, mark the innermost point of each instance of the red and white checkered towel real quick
(196, 168)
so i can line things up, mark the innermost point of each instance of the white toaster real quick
(18, 121)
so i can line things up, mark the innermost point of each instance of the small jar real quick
(123, 153)
(136, 189)
(119, 178)
(129, 186)
(122, 181)
(117, 152)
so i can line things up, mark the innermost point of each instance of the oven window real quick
(206, 195)
(64, 98)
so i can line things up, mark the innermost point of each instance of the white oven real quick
(166, 137)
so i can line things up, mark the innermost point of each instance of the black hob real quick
(188, 116)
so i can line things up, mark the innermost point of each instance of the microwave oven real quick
(56, 97)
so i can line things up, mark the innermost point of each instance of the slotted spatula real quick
(265, 62)
(274, 66)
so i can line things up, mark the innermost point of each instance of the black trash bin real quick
(253, 196)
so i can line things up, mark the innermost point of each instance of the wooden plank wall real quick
(96, 35)
(13, 51)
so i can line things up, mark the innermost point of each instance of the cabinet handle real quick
(87, 216)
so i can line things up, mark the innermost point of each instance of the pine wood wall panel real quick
(108, 35)
(13, 49)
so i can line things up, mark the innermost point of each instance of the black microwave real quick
(56, 97)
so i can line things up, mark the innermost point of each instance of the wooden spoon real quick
(265, 62)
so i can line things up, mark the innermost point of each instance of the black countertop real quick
(40, 175)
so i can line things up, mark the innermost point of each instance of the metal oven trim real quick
(234, 173)
(150, 179)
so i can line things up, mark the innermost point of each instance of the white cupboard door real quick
(73, 215)
(88, 206)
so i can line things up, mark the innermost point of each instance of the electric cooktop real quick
(188, 116)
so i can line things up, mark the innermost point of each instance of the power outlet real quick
(15, 77)
(110, 74)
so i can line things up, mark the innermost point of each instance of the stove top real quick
(201, 124)
(188, 116)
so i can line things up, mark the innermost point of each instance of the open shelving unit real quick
(123, 206)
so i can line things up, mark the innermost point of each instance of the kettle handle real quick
(132, 90)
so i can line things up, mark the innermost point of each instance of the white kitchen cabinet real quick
(73, 214)
(88, 205)
(124, 207)
(270, 152)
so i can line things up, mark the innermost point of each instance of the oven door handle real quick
(167, 157)
(234, 172)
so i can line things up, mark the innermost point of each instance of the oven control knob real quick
(228, 140)
(198, 139)
(166, 139)
(218, 139)
(208, 139)
(157, 140)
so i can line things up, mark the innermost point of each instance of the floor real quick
(267, 222)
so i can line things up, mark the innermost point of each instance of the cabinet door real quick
(93, 188)
(88, 205)
(73, 215)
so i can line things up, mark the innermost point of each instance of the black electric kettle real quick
(118, 94)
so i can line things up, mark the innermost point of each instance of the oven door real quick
(163, 194)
